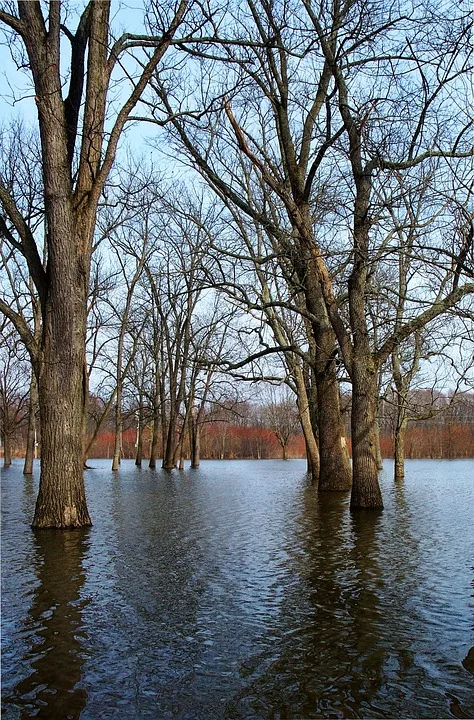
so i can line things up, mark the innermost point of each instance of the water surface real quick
(234, 591)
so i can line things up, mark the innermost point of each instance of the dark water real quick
(235, 592)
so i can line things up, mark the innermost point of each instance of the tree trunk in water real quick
(334, 464)
(335, 469)
(117, 446)
(302, 400)
(377, 443)
(61, 499)
(399, 469)
(168, 455)
(365, 484)
(154, 441)
(31, 432)
(7, 450)
(195, 444)
(118, 425)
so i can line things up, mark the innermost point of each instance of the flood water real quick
(234, 591)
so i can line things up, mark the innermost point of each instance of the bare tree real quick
(77, 153)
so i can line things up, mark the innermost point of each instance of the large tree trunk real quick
(365, 484)
(31, 431)
(61, 499)
(335, 470)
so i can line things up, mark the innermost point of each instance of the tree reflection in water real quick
(54, 623)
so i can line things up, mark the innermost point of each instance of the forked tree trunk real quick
(334, 464)
(365, 484)
(31, 431)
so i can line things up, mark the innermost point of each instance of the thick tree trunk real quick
(335, 470)
(365, 484)
(61, 499)
(31, 431)
(334, 464)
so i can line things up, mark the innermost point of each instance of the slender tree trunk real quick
(400, 431)
(195, 443)
(118, 419)
(31, 432)
(139, 453)
(155, 440)
(303, 402)
(377, 442)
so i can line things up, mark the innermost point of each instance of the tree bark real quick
(31, 431)
(7, 450)
(195, 443)
(334, 470)
(61, 499)
(399, 454)
(365, 485)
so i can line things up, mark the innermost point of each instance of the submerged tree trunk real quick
(31, 431)
(7, 450)
(335, 470)
(195, 439)
(334, 464)
(365, 484)
(399, 453)
(139, 453)
(169, 451)
(61, 499)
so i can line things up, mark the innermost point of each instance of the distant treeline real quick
(444, 429)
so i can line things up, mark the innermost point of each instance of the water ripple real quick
(235, 592)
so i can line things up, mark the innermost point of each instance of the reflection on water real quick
(235, 591)
(54, 627)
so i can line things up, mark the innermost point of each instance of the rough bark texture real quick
(31, 431)
(365, 484)
(399, 469)
(334, 470)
